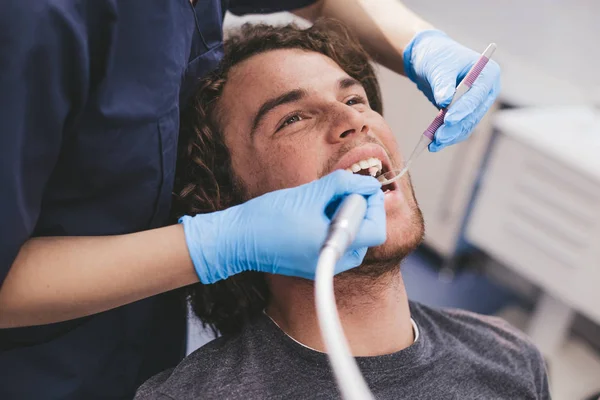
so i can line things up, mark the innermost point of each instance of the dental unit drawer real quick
(540, 215)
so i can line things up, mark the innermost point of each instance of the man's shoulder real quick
(197, 373)
(489, 325)
(480, 333)
(497, 351)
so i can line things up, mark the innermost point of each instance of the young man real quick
(287, 107)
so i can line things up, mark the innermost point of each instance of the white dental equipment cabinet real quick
(538, 212)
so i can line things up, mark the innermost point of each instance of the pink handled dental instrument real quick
(429, 133)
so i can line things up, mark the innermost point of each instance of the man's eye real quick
(355, 100)
(290, 120)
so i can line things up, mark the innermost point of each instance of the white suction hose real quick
(343, 229)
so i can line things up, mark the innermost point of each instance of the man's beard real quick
(385, 259)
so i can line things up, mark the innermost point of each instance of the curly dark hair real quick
(204, 180)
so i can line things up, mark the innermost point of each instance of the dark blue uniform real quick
(89, 110)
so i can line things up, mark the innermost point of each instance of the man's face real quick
(291, 116)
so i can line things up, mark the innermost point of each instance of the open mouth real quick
(372, 167)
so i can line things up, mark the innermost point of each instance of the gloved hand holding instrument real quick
(463, 102)
(282, 232)
(437, 64)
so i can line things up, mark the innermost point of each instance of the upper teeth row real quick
(372, 164)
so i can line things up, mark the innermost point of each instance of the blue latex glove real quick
(437, 64)
(282, 232)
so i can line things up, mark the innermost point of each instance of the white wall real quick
(551, 42)
(547, 48)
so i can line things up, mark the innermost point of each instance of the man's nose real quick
(347, 122)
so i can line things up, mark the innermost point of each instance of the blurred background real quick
(513, 214)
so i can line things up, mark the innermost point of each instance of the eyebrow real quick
(345, 83)
(269, 105)
(290, 97)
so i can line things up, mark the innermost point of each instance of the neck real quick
(374, 313)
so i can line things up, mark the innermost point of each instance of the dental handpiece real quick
(462, 88)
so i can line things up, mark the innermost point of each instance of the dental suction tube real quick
(342, 231)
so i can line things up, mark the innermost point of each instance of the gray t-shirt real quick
(458, 355)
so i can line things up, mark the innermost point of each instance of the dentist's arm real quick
(59, 278)
(403, 42)
(384, 27)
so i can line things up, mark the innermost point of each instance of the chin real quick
(404, 235)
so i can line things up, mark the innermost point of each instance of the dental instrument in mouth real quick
(427, 137)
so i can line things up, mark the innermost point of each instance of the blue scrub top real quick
(89, 110)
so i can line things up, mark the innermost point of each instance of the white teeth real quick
(373, 162)
(373, 165)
